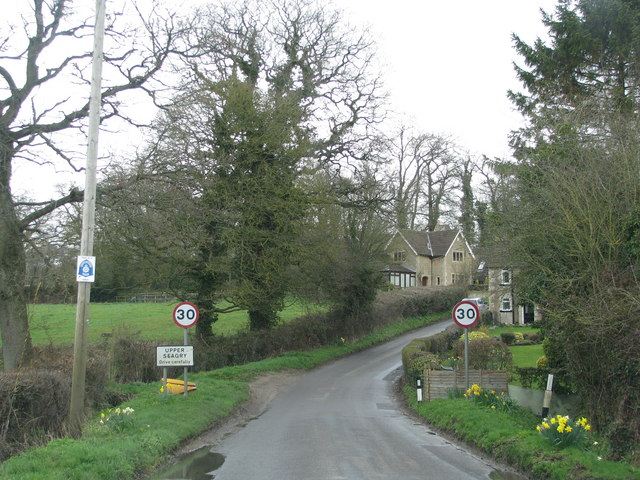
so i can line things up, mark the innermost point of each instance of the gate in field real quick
(148, 297)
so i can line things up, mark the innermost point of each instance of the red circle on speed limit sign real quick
(466, 314)
(185, 315)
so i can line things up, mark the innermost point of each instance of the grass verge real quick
(162, 423)
(511, 437)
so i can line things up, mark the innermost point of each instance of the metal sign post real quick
(466, 315)
(174, 356)
(186, 343)
(185, 315)
(165, 376)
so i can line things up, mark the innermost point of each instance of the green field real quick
(55, 324)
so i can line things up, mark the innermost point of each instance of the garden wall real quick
(532, 399)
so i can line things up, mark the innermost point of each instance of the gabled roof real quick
(431, 244)
(496, 255)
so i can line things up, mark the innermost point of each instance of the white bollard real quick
(546, 403)
(419, 390)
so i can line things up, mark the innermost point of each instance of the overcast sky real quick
(450, 62)
(447, 65)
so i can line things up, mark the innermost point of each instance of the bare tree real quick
(42, 69)
(405, 177)
(440, 176)
(422, 178)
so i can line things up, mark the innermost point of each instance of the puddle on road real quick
(197, 465)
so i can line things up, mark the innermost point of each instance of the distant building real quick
(427, 259)
(506, 307)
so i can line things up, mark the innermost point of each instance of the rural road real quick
(341, 421)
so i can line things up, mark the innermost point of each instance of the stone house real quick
(427, 259)
(503, 299)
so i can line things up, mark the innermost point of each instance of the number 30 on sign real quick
(466, 314)
(185, 315)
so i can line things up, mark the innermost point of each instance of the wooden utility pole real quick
(76, 409)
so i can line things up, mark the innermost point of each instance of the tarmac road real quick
(341, 421)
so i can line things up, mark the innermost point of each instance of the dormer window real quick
(399, 256)
(505, 277)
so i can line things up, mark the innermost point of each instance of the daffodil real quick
(561, 431)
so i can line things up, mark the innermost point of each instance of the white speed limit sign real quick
(466, 314)
(185, 315)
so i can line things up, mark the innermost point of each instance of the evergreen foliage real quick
(574, 225)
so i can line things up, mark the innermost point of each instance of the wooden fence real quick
(147, 297)
(437, 383)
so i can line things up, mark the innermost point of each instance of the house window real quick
(399, 256)
(454, 277)
(458, 256)
(505, 277)
(505, 304)
(402, 280)
(437, 280)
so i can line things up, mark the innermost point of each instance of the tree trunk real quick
(14, 323)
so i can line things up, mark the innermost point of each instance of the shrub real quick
(437, 344)
(542, 362)
(59, 359)
(443, 342)
(409, 352)
(34, 406)
(475, 335)
(420, 301)
(486, 319)
(508, 337)
(486, 353)
(134, 360)
(418, 362)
